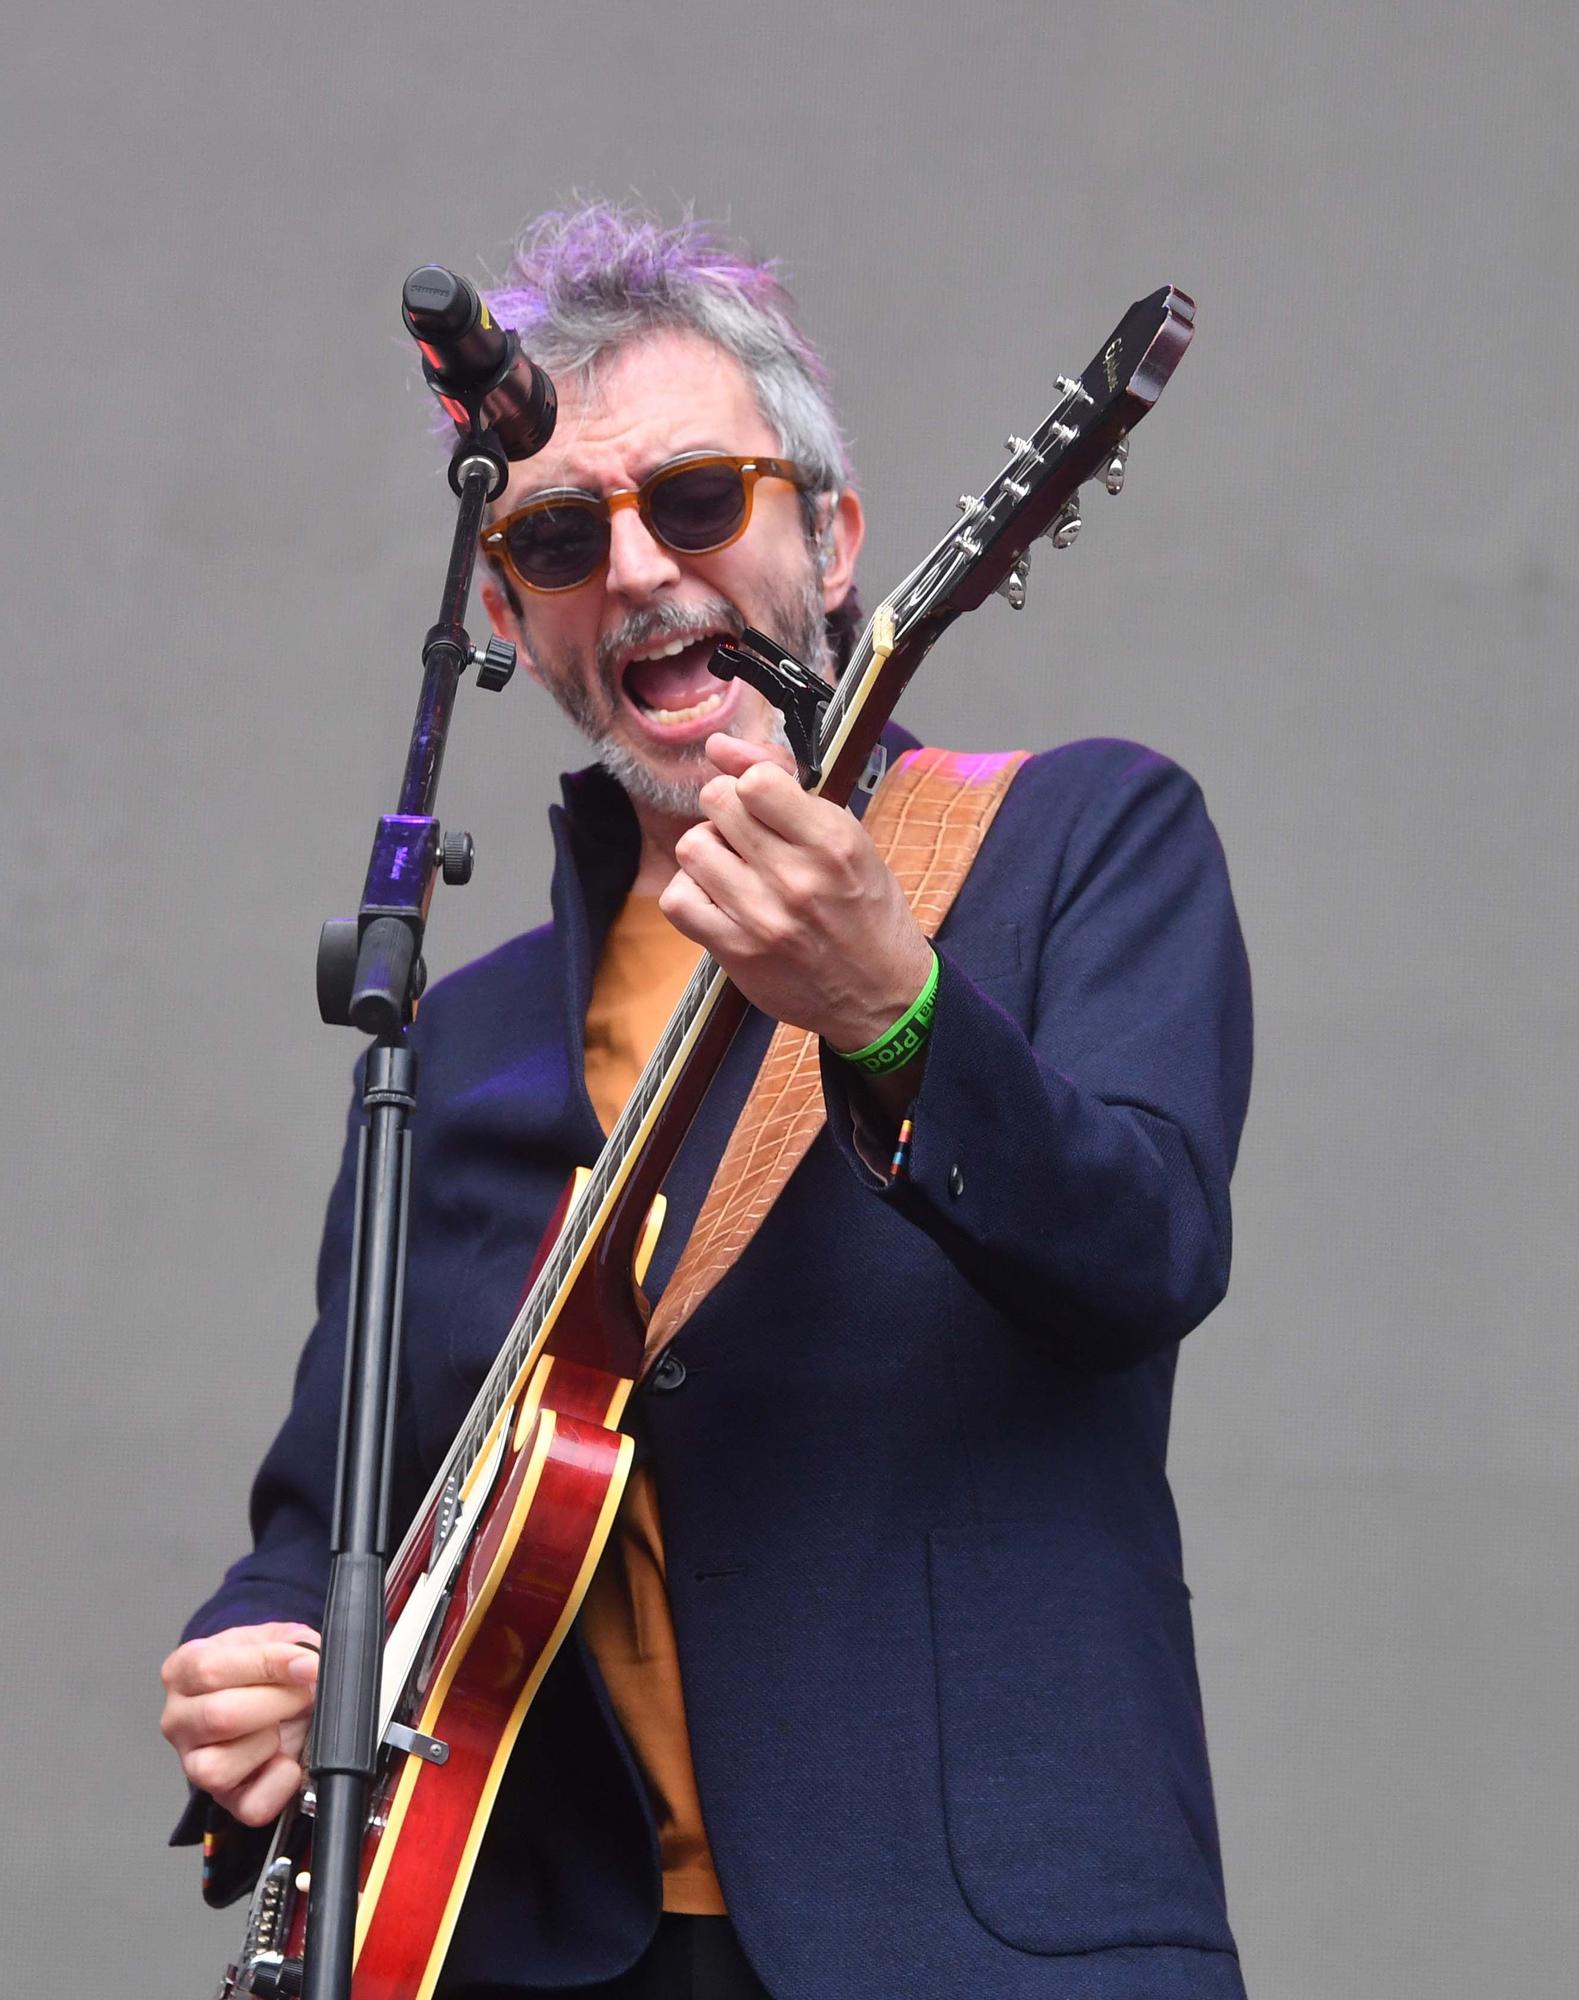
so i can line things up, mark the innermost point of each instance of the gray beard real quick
(796, 620)
(677, 798)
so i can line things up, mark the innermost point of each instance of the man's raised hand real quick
(794, 901)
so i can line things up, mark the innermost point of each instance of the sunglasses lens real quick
(697, 507)
(557, 546)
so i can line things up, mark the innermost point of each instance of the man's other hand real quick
(236, 1711)
(791, 897)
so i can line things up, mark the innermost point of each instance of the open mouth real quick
(671, 691)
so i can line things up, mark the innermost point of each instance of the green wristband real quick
(905, 1039)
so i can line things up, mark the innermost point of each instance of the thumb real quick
(733, 757)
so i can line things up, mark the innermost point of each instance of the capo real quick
(795, 691)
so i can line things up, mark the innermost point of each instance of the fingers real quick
(739, 903)
(265, 1795)
(765, 859)
(749, 837)
(236, 1712)
(733, 756)
(772, 797)
(728, 878)
(245, 1656)
(692, 911)
(237, 1709)
(783, 832)
(219, 1768)
(192, 1722)
(789, 894)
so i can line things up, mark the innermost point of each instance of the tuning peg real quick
(1113, 472)
(973, 509)
(1067, 387)
(1017, 444)
(1013, 585)
(1065, 524)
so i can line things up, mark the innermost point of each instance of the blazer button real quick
(956, 1181)
(670, 1371)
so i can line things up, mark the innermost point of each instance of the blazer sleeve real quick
(1074, 1166)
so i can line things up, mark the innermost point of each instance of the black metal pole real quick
(369, 975)
(344, 1748)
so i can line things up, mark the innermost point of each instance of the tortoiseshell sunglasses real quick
(693, 505)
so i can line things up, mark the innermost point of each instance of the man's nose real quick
(639, 564)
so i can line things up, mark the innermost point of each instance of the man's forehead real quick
(657, 395)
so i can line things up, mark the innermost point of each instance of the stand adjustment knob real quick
(338, 943)
(457, 858)
(495, 664)
(275, 1976)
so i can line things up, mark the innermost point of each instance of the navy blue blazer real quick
(922, 1556)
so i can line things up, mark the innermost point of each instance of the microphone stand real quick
(370, 974)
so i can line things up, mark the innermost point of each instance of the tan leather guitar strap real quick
(927, 820)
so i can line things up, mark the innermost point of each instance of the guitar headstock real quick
(1037, 491)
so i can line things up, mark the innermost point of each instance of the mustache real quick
(663, 621)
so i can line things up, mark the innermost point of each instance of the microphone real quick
(473, 365)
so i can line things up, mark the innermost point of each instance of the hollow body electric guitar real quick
(493, 1569)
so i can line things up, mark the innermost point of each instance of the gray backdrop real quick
(1342, 588)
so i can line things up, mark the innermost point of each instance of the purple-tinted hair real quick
(582, 282)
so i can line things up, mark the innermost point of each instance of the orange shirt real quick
(625, 1618)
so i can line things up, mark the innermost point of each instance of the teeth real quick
(696, 710)
(668, 652)
(691, 714)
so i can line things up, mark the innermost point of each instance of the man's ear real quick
(503, 607)
(843, 532)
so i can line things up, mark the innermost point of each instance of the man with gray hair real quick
(885, 1685)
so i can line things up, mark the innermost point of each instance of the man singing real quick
(885, 1688)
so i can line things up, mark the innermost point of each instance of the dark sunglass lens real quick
(555, 547)
(698, 506)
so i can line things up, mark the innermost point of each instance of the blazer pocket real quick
(1075, 1782)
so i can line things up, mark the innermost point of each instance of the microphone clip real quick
(477, 450)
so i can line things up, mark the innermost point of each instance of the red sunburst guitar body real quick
(541, 1501)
